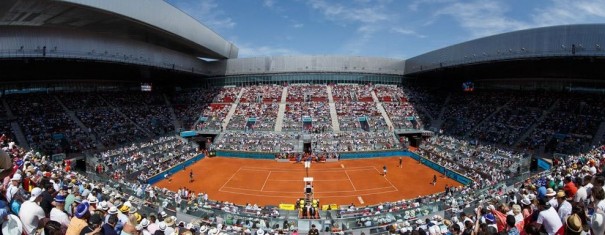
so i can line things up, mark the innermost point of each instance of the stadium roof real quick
(151, 21)
(563, 41)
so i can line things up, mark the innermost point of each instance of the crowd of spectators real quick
(111, 128)
(144, 160)
(387, 93)
(262, 93)
(490, 164)
(432, 100)
(349, 115)
(254, 116)
(353, 141)
(257, 141)
(189, 104)
(46, 126)
(319, 113)
(570, 126)
(352, 93)
(508, 125)
(307, 93)
(226, 94)
(465, 110)
(215, 114)
(403, 115)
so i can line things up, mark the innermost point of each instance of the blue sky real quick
(383, 28)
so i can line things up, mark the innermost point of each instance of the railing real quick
(91, 55)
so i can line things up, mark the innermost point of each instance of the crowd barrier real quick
(373, 154)
(242, 154)
(175, 169)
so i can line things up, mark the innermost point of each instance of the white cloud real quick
(407, 32)
(488, 17)
(207, 12)
(481, 17)
(365, 12)
(248, 50)
(566, 12)
(415, 5)
(369, 18)
(299, 25)
(269, 3)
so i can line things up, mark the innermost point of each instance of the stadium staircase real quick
(420, 108)
(7, 107)
(383, 112)
(330, 98)
(436, 123)
(232, 109)
(117, 110)
(596, 140)
(280, 117)
(175, 121)
(538, 122)
(282, 109)
(333, 115)
(284, 95)
(484, 121)
(78, 122)
(19, 135)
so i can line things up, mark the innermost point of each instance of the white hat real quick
(144, 223)
(597, 222)
(36, 192)
(162, 226)
(213, 231)
(92, 199)
(203, 229)
(550, 192)
(103, 205)
(12, 226)
(16, 177)
(260, 231)
(112, 210)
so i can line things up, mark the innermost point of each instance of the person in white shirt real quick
(564, 206)
(13, 188)
(548, 218)
(58, 212)
(31, 213)
(582, 193)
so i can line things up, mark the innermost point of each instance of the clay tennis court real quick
(267, 182)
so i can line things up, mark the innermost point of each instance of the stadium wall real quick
(555, 41)
(28, 42)
(163, 16)
(311, 64)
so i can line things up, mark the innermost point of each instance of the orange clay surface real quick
(267, 182)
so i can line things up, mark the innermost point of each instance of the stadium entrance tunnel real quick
(202, 140)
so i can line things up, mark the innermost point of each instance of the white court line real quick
(350, 181)
(316, 192)
(302, 169)
(230, 178)
(295, 194)
(386, 179)
(313, 180)
(266, 179)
